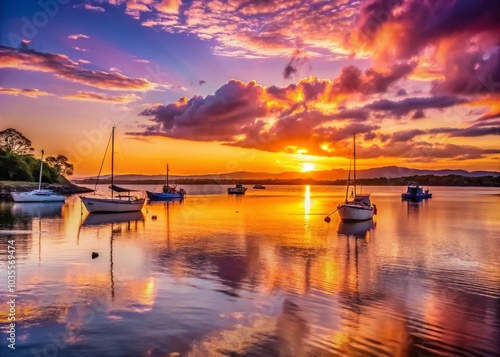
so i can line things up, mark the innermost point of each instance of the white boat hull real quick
(37, 196)
(96, 205)
(350, 212)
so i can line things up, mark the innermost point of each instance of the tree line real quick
(18, 163)
(422, 180)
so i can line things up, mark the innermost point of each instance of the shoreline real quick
(6, 187)
(446, 181)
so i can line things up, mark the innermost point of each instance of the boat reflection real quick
(356, 229)
(37, 209)
(93, 219)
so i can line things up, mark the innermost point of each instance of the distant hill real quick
(335, 174)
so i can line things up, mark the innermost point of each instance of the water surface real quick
(257, 275)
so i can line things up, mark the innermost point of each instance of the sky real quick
(254, 85)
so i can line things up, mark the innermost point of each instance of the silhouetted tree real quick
(13, 141)
(60, 164)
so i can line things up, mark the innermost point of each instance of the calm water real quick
(259, 275)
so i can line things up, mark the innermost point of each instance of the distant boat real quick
(238, 189)
(115, 204)
(259, 186)
(415, 192)
(170, 192)
(38, 195)
(358, 207)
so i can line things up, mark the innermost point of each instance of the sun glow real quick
(307, 166)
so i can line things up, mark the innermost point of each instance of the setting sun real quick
(307, 166)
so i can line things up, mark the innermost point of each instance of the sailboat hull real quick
(352, 212)
(37, 196)
(161, 196)
(108, 205)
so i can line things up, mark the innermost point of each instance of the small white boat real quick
(120, 203)
(38, 195)
(359, 206)
(239, 189)
(112, 205)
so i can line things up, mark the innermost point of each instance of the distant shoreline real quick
(424, 180)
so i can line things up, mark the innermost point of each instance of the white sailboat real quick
(358, 207)
(115, 204)
(38, 195)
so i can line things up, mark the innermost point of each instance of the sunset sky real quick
(254, 85)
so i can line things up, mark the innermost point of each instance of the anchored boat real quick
(239, 189)
(123, 202)
(357, 207)
(169, 192)
(415, 192)
(38, 195)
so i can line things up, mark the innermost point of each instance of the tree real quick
(60, 164)
(13, 141)
(13, 167)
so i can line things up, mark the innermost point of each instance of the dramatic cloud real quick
(32, 93)
(455, 39)
(77, 36)
(304, 117)
(254, 28)
(63, 67)
(372, 81)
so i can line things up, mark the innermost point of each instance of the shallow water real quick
(257, 275)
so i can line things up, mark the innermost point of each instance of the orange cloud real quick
(32, 93)
(169, 6)
(98, 97)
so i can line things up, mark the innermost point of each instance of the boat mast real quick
(354, 144)
(167, 175)
(40, 178)
(112, 159)
(348, 181)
